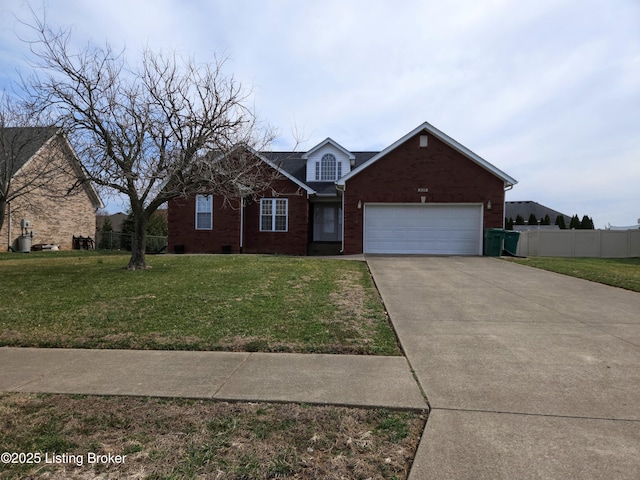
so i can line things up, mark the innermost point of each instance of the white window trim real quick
(337, 171)
(209, 211)
(273, 202)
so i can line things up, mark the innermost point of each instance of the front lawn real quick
(204, 302)
(618, 272)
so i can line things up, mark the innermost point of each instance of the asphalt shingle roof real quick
(526, 208)
(295, 165)
(19, 144)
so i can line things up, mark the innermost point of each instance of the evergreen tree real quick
(546, 220)
(520, 220)
(158, 224)
(127, 230)
(106, 236)
(533, 220)
(106, 225)
(586, 223)
(575, 222)
(560, 222)
(509, 223)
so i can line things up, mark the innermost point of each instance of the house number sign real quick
(423, 190)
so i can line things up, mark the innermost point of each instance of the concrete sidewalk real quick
(349, 380)
(529, 374)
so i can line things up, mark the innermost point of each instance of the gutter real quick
(324, 195)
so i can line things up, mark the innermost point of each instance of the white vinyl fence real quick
(580, 243)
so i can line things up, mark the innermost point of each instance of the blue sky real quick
(546, 90)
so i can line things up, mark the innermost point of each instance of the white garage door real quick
(446, 229)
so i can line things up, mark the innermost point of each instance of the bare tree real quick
(164, 128)
(24, 183)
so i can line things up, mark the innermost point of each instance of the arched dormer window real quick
(328, 169)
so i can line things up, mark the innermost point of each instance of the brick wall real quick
(226, 225)
(396, 178)
(55, 217)
(293, 242)
(183, 233)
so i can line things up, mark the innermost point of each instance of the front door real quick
(327, 222)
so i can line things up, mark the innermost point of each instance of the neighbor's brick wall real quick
(395, 178)
(53, 220)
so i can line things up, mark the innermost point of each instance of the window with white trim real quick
(204, 212)
(274, 214)
(328, 168)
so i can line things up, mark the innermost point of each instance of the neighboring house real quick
(116, 219)
(526, 208)
(630, 227)
(56, 203)
(423, 194)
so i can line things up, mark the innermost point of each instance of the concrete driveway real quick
(529, 374)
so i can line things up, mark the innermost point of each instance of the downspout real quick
(504, 203)
(341, 188)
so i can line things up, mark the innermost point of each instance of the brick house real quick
(42, 163)
(423, 194)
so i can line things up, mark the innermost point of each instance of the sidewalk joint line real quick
(235, 370)
(498, 412)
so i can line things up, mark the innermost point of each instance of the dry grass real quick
(171, 439)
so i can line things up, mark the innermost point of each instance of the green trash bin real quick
(493, 241)
(511, 241)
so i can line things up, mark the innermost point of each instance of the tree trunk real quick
(139, 243)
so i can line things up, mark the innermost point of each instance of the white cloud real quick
(548, 91)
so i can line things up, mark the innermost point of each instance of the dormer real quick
(328, 161)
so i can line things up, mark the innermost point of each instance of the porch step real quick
(324, 248)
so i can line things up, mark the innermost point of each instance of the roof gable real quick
(427, 127)
(19, 144)
(329, 141)
(23, 143)
(294, 165)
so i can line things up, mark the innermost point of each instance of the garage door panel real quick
(423, 229)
